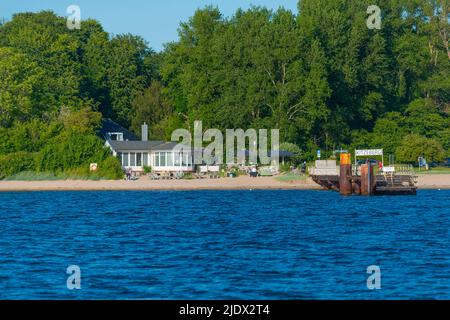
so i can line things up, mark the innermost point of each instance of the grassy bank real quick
(438, 170)
(50, 176)
(290, 177)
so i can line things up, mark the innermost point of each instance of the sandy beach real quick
(434, 181)
(241, 183)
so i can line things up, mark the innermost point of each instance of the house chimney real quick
(144, 132)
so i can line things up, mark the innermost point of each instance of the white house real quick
(135, 154)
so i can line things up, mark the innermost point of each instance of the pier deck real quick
(365, 179)
(384, 185)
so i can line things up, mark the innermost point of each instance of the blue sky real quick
(155, 20)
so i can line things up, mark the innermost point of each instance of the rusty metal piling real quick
(345, 183)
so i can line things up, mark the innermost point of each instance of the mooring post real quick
(345, 183)
(364, 179)
(367, 180)
(356, 188)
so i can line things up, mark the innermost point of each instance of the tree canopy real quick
(320, 75)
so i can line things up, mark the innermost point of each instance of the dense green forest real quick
(320, 75)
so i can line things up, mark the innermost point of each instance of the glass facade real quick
(171, 159)
(133, 159)
(139, 159)
(177, 160)
(156, 162)
(160, 159)
(125, 158)
(145, 159)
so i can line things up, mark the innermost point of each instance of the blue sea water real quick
(224, 245)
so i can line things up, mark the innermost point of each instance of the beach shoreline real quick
(425, 182)
(144, 184)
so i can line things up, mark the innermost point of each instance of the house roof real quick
(168, 146)
(120, 146)
(109, 126)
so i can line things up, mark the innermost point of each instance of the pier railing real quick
(394, 179)
(325, 168)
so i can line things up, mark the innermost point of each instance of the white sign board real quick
(388, 169)
(213, 168)
(372, 152)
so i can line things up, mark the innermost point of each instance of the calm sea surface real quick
(224, 245)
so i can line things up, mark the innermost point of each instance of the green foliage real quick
(414, 146)
(81, 121)
(71, 151)
(46, 41)
(16, 162)
(110, 168)
(318, 76)
(150, 107)
(148, 169)
(20, 79)
(291, 177)
(285, 167)
(126, 75)
(27, 136)
(295, 149)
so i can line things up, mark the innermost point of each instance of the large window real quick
(186, 159)
(171, 159)
(162, 159)
(145, 159)
(169, 156)
(139, 159)
(125, 161)
(134, 159)
(178, 159)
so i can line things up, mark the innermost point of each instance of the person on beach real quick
(304, 167)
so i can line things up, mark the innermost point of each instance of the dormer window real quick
(115, 136)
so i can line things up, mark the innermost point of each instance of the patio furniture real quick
(165, 176)
(154, 176)
(213, 172)
(179, 175)
(202, 173)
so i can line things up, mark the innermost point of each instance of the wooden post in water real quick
(364, 183)
(356, 188)
(345, 183)
(367, 180)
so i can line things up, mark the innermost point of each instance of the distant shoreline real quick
(426, 182)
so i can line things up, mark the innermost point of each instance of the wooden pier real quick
(364, 180)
